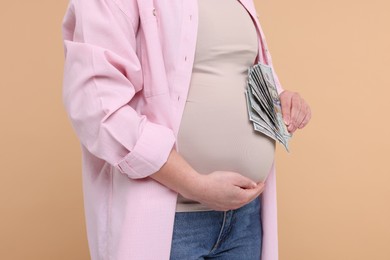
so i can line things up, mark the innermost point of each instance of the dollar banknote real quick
(263, 104)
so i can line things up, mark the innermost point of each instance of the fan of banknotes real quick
(263, 104)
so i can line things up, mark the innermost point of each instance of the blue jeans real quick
(224, 235)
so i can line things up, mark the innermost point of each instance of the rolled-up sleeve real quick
(102, 74)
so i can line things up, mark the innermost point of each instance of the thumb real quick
(243, 182)
(285, 101)
(258, 190)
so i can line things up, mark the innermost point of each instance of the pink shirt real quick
(128, 66)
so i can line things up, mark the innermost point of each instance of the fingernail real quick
(254, 185)
(286, 120)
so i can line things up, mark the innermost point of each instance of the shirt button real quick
(185, 58)
(190, 17)
(154, 11)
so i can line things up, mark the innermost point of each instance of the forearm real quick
(178, 175)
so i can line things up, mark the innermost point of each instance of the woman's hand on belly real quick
(224, 190)
(219, 190)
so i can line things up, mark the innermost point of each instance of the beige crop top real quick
(215, 133)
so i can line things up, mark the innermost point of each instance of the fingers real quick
(307, 118)
(259, 189)
(243, 182)
(230, 190)
(253, 193)
(296, 112)
(246, 194)
(303, 117)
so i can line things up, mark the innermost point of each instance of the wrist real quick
(179, 176)
(192, 185)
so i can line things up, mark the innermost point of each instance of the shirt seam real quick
(132, 19)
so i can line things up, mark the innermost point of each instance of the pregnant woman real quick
(172, 168)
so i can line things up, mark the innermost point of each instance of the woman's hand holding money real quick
(296, 112)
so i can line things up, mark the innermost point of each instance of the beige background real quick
(333, 188)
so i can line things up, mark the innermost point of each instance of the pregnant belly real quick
(216, 135)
